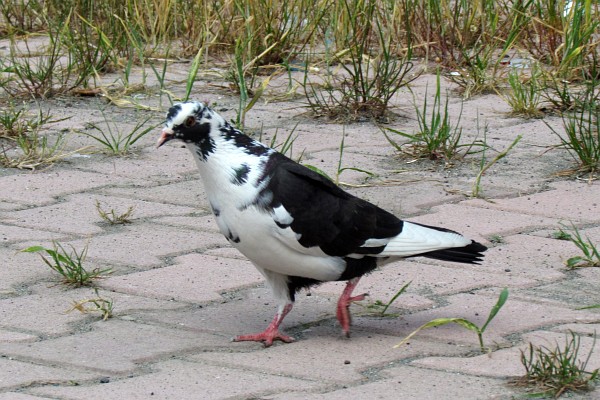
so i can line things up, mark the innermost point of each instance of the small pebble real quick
(104, 380)
(346, 362)
(507, 270)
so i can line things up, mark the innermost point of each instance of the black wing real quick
(325, 215)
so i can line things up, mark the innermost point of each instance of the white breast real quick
(276, 249)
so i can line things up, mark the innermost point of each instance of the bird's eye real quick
(189, 122)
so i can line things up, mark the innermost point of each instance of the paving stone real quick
(143, 244)
(45, 311)
(516, 316)
(39, 314)
(311, 138)
(7, 336)
(575, 201)
(181, 291)
(405, 382)
(328, 162)
(194, 278)
(158, 165)
(78, 214)
(379, 289)
(43, 188)
(14, 373)
(588, 234)
(582, 329)
(226, 251)
(177, 379)
(204, 223)
(425, 278)
(507, 362)
(344, 360)
(530, 257)
(188, 192)
(113, 346)
(18, 396)
(6, 206)
(406, 195)
(574, 292)
(11, 234)
(246, 311)
(538, 132)
(477, 223)
(20, 268)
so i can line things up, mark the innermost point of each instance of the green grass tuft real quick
(68, 264)
(463, 322)
(554, 371)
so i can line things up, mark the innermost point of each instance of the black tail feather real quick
(469, 254)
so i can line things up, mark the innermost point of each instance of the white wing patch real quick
(376, 242)
(282, 216)
(416, 239)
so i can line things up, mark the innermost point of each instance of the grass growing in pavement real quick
(497, 239)
(369, 40)
(17, 121)
(33, 152)
(555, 371)
(113, 140)
(561, 235)
(589, 307)
(582, 132)
(438, 137)
(590, 254)
(340, 168)
(22, 146)
(381, 308)
(525, 95)
(484, 166)
(373, 65)
(96, 304)
(113, 217)
(463, 322)
(69, 264)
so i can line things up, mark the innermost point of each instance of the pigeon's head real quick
(190, 122)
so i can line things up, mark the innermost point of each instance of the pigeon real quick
(296, 226)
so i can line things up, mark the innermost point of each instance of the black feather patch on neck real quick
(199, 134)
(249, 145)
(240, 174)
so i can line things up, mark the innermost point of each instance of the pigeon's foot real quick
(272, 332)
(267, 337)
(343, 306)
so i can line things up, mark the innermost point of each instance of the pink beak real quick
(166, 135)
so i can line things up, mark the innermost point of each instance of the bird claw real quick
(343, 311)
(267, 337)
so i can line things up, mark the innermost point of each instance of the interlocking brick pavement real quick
(181, 292)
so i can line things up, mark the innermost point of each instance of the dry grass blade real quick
(94, 305)
(113, 217)
(34, 152)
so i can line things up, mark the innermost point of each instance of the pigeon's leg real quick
(343, 306)
(272, 332)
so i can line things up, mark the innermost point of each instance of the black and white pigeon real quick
(297, 227)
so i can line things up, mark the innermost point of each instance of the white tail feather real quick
(416, 239)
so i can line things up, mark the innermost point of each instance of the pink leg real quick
(343, 311)
(272, 332)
